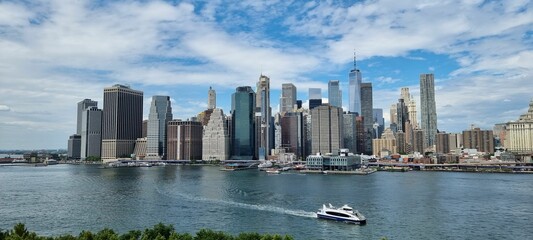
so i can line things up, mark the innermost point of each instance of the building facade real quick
(211, 99)
(91, 133)
(184, 140)
(288, 97)
(264, 123)
(243, 124)
(334, 93)
(293, 134)
(354, 90)
(74, 147)
(215, 139)
(160, 115)
(428, 109)
(82, 106)
(519, 136)
(350, 131)
(326, 132)
(378, 118)
(385, 145)
(121, 121)
(368, 116)
(482, 140)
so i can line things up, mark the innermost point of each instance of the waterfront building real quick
(264, 124)
(215, 139)
(519, 135)
(341, 162)
(140, 148)
(499, 130)
(385, 145)
(378, 118)
(482, 140)
(428, 109)
(82, 106)
(288, 98)
(91, 133)
(455, 140)
(334, 94)
(368, 116)
(242, 124)
(121, 121)
(160, 115)
(184, 141)
(74, 147)
(443, 142)
(292, 126)
(350, 131)
(326, 130)
(211, 99)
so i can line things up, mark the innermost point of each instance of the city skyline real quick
(482, 70)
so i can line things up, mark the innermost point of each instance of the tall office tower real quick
(326, 129)
(293, 133)
(242, 123)
(121, 121)
(411, 106)
(455, 140)
(350, 131)
(160, 114)
(308, 133)
(482, 140)
(393, 114)
(211, 99)
(400, 142)
(378, 118)
(315, 97)
(145, 129)
(91, 132)
(334, 93)
(402, 115)
(368, 116)
(354, 89)
(361, 134)
(82, 106)
(288, 97)
(428, 108)
(443, 143)
(184, 140)
(386, 145)
(265, 140)
(74, 147)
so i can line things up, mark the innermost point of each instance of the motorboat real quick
(273, 171)
(342, 214)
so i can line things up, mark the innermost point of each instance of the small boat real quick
(264, 164)
(342, 214)
(273, 171)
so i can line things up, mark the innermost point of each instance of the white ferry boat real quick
(343, 214)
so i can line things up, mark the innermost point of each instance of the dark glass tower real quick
(242, 112)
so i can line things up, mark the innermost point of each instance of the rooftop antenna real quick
(354, 61)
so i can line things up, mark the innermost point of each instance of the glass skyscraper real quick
(354, 91)
(160, 115)
(242, 121)
(334, 93)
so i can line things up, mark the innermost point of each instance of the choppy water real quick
(63, 199)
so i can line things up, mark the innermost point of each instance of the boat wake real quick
(267, 208)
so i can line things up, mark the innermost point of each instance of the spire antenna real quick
(354, 61)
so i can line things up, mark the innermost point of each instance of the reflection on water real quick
(63, 199)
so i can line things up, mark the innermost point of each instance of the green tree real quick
(131, 235)
(86, 235)
(208, 234)
(179, 236)
(106, 234)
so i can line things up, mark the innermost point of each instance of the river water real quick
(63, 199)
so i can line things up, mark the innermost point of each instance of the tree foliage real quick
(160, 231)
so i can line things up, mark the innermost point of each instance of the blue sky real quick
(56, 53)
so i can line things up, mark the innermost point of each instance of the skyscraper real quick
(121, 121)
(350, 131)
(242, 123)
(334, 93)
(82, 105)
(326, 133)
(378, 118)
(288, 97)
(215, 139)
(184, 140)
(402, 115)
(91, 132)
(354, 90)
(293, 133)
(211, 99)
(428, 109)
(160, 114)
(411, 106)
(368, 116)
(265, 140)
(315, 97)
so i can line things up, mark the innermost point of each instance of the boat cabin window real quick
(337, 214)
